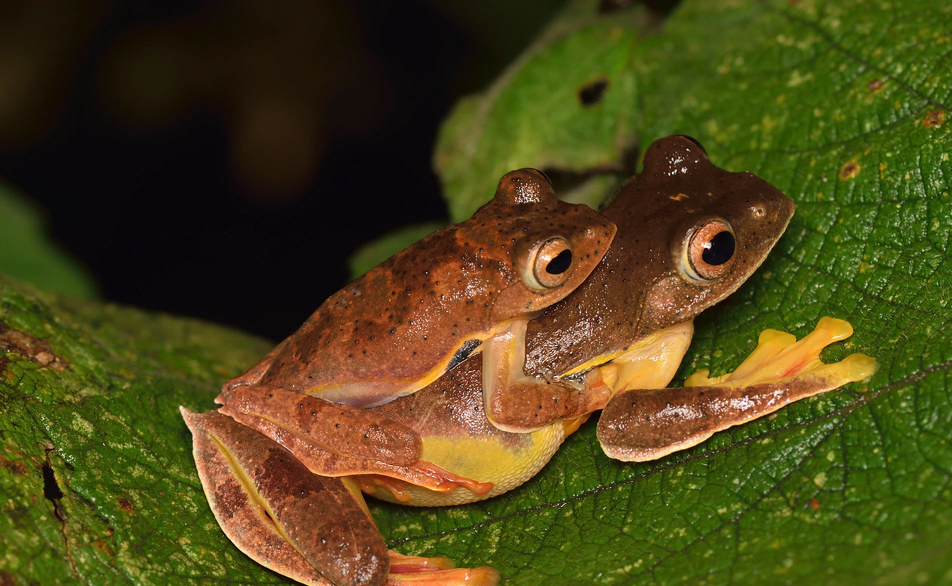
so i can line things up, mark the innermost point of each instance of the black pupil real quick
(560, 263)
(719, 249)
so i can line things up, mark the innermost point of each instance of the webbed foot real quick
(639, 425)
(314, 529)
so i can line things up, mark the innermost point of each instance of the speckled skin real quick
(638, 289)
(328, 528)
(398, 327)
(635, 291)
(457, 436)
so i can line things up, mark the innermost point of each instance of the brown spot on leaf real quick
(7, 579)
(126, 505)
(37, 350)
(18, 468)
(875, 85)
(849, 170)
(103, 547)
(934, 119)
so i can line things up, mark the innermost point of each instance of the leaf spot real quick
(51, 490)
(37, 350)
(934, 119)
(125, 504)
(849, 170)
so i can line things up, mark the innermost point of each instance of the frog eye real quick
(708, 251)
(549, 264)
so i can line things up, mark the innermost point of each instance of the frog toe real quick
(640, 425)
(417, 571)
(780, 356)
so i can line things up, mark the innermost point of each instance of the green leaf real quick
(27, 253)
(844, 107)
(564, 106)
(96, 479)
(376, 251)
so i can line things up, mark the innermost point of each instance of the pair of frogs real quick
(453, 371)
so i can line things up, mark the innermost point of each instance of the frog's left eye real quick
(708, 251)
(549, 264)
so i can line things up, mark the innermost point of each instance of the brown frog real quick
(689, 235)
(467, 288)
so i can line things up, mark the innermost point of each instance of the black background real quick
(158, 218)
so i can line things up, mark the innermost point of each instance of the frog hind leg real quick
(316, 530)
(334, 439)
(349, 431)
(515, 402)
(639, 425)
(306, 527)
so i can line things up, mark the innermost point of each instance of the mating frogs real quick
(284, 470)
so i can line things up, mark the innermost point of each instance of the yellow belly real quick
(486, 459)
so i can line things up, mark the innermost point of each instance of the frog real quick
(285, 489)
(466, 288)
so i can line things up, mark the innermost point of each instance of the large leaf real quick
(96, 480)
(563, 106)
(844, 107)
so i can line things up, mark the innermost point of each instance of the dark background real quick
(222, 159)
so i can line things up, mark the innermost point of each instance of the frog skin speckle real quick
(639, 288)
(689, 235)
(423, 311)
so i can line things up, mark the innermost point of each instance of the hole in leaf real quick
(51, 489)
(593, 92)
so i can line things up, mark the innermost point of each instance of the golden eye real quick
(549, 264)
(708, 251)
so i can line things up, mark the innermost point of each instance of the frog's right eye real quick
(707, 252)
(549, 264)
